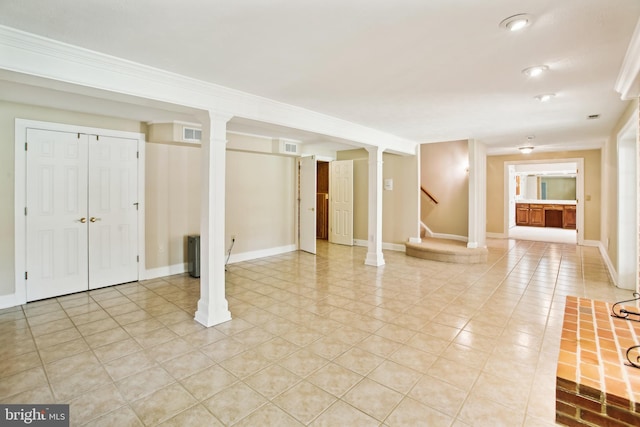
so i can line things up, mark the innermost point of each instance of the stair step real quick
(445, 250)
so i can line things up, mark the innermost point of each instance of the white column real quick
(477, 194)
(417, 238)
(374, 255)
(212, 306)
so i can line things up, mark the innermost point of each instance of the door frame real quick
(20, 222)
(627, 206)
(579, 161)
(300, 188)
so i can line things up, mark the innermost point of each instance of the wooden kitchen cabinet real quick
(522, 214)
(569, 217)
(546, 215)
(536, 215)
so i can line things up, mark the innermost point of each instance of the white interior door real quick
(112, 211)
(341, 202)
(307, 203)
(56, 223)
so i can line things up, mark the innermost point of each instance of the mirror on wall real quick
(545, 182)
(545, 187)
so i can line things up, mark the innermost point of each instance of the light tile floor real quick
(321, 340)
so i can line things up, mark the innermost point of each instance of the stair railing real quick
(429, 195)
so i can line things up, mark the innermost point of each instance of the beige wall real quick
(172, 202)
(8, 113)
(443, 174)
(260, 193)
(260, 200)
(399, 206)
(260, 203)
(610, 182)
(592, 190)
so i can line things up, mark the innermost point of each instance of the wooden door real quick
(341, 202)
(307, 203)
(112, 211)
(56, 223)
(82, 222)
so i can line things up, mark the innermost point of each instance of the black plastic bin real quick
(193, 255)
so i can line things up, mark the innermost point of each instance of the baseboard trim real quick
(496, 235)
(262, 253)
(168, 270)
(394, 247)
(398, 247)
(612, 271)
(10, 300)
(594, 243)
(362, 243)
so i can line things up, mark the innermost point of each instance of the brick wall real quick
(594, 385)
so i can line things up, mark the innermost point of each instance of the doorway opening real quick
(544, 200)
(322, 201)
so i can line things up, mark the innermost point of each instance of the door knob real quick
(83, 220)
(94, 219)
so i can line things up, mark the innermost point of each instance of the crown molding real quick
(628, 82)
(38, 56)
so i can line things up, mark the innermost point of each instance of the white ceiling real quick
(425, 70)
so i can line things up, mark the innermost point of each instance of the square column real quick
(212, 306)
(477, 194)
(374, 254)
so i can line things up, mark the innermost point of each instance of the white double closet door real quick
(82, 212)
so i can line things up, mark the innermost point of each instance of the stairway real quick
(446, 250)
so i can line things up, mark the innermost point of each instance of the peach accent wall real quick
(444, 174)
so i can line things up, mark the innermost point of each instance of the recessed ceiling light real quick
(516, 22)
(545, 97)
(535, 71)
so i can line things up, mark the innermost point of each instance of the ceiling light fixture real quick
(516, 22)
(535, 71)
(526, 150)
(545, 97)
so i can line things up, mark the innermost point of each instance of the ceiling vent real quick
(284, 146)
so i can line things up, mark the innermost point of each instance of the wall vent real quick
(191, 134)
(175, 132)
(283, 146)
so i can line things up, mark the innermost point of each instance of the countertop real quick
(548, 202)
